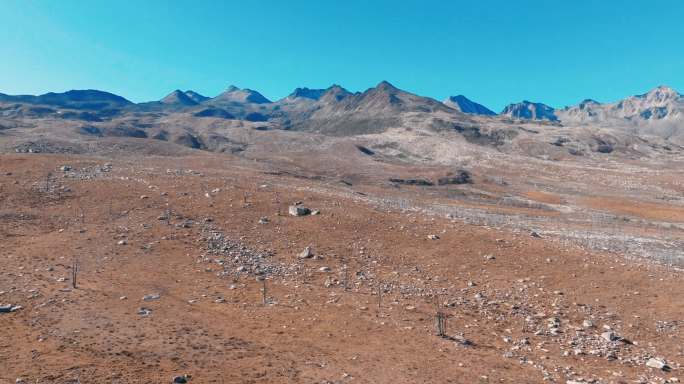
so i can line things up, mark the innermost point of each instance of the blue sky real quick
(495, 52)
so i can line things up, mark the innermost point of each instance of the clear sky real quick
(493, 51)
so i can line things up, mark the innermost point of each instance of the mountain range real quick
(339, 112)
(658, 104)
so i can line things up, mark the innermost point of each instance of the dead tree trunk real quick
(74, 273)
(440, 324)
(440, 321)
(263, 291)
(379, 300)
(346, 277)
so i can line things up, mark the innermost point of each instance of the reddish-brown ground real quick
(312, 333)
(648, 210)
(544, 197)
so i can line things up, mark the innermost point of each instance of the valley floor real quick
(192, 234)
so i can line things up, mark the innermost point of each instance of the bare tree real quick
(48, 182)
(379, 300)
(440, 321)
(75, 265)
(277, 201)
(263, 290)
(345, 267)
(81, 213)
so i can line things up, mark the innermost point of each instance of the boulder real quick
(657, 363)
(299, 210)
(5, 308)
(307, 253)
(181, 379)
(459, 177)
(610, 336)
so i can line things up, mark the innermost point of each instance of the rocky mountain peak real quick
(530, 111)
(465, 105)
(178, 97)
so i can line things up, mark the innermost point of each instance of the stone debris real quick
(307, 253)
(229, 254)
(610, 336)
(263, 220)
(433, 237)
(658, 363)
(461, 340)
(298, 210)
(86, 173)
(181, 379)
(142, 311)
(185, 224)
(151, 297)
(8, 308)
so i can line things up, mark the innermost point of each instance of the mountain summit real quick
(196, 97)
(530, 111)
(466, 105)
(660, 104)
(178, 97)
(306, 93)
(386, 98)
(237, 95)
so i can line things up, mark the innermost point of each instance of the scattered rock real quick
(610, 336)
(185, 224)
(460, 177)
(144, 311)
(459, 339)
(151, 297)
(433, 237)
(263, 220)
(181, 379)
(307, 253)
(299, 210)
(423, 182)
(9, 308)
(324, 269)
(658, 363)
